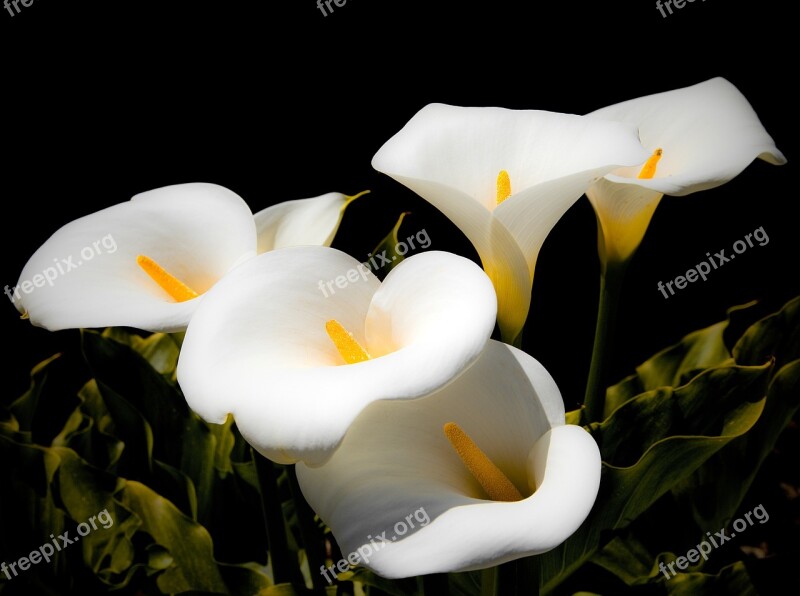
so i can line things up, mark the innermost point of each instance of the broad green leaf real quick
(26, 490)
(78, 504)
(188, 543)
(776, 336)
(651, 443)
(136, 434)
(180, 438)
(89, 430)
(632, 563)
(628, 559)
(45, 408)
(87, 495)
(161, 350)
(247, 578)
(677, 364)
(717, 489)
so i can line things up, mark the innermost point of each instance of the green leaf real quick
(87, 495)
(387, 249)
(732, 579)
(652, 442)
(776, 336)
(674, 366)
(89, 430)
(161, 350)
(132, 389)
(716, 490)
(628, 559)
(677, 364)
(74, 493)
(45, 408)
(188, 543)
(248, 578)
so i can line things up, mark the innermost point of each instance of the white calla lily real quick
(505, 178)
(190, 234)
(396, 492)
(145, 263)
(302, 222)
(700, 137)
(270, 343)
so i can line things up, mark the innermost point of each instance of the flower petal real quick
(709, 133)
(451, 156)
(258, 348)
(395, 468)
(623, 212)
(301, 222)
(196, 232)
(462, 150)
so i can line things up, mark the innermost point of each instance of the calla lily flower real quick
(145, 263)
(296, 342)
(699, 137)
(303, 222)
(505, 177)
(422, 486)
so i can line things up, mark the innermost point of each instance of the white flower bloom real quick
(699, 137)
(396, 463)
(271, 340)
(147, 262)
(505, 178)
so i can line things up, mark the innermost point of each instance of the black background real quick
(102, 100)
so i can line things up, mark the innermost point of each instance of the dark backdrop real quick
(102, 100)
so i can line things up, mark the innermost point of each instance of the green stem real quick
(282, 568)
(489, 582)
(610, 290)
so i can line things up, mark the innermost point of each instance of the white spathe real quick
(708, 133)
(302, 222)
(86, 274)
(451, 156)
(257, 347)
(395, 468)
(197, 232)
